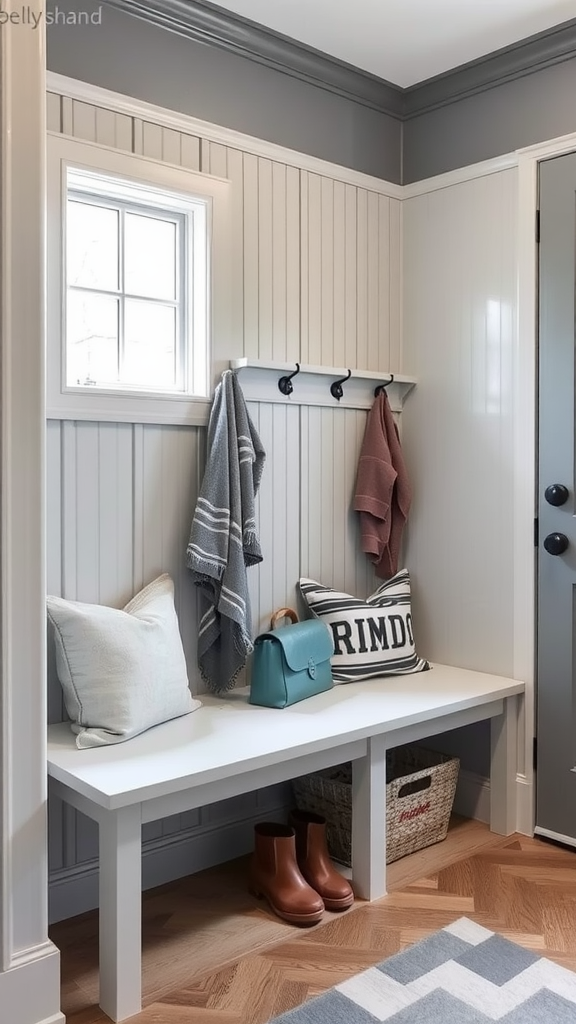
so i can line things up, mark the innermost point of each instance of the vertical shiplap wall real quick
(316, 279)
(330, 444)
(350, 274)
(460, 307)
(279, 502)
(119, 500)
(460, 279)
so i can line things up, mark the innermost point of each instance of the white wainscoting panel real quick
(272, 584)
(120, 499)
(330, 443)
(350, 259)
(460, 278)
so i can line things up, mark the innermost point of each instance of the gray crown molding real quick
(213, 26)
(511, 62)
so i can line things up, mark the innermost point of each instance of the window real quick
(127, 289)
(133, 276)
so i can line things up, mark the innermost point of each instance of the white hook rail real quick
(311, 384)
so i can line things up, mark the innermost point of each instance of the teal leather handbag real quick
(292, 662)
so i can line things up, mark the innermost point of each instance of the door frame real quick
(525, 458)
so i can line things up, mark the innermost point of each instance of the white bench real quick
(229, 747)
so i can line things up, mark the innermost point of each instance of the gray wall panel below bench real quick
(127, 55)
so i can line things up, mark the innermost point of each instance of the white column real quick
(121, 912)
(503, 743)
(29, 963)
(369, 821)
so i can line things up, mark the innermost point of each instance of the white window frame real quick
(133, 405)
(189, 221)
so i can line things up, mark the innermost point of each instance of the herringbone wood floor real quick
(214, 955)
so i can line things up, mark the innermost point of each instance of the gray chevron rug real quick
(463, 974)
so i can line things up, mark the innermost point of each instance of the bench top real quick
(227, 735)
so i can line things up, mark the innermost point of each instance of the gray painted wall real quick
(128, 56)
(531, 109)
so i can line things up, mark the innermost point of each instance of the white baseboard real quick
(75, 890)
(472, 798)
(28, 991)
(525, 805)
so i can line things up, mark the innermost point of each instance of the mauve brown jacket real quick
(383, 493)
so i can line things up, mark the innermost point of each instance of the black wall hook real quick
(382, 387)
(336, 386)
(285, 383)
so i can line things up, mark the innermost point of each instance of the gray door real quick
(556, 691)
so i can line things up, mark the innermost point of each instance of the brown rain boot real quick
(314, 861)
(275, 876)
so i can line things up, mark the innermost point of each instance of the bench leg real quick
(503, 763)
(369, 821)
(121, 912)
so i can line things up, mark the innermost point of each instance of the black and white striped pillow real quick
(372, 637)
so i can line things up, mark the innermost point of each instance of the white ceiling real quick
(405, 41)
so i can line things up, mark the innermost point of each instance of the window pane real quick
(149, 257)
(92, 246)
(149, 345)
(92, 339)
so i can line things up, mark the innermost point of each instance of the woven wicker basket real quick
(419, 797)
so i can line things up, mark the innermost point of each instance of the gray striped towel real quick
(223, 538)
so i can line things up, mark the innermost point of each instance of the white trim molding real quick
(468, 173)
(550, 148)
(32, 989)
(29, 963)
(524, 491)
(525, 802)
(99, 97)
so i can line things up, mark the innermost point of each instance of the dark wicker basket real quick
(419, 796)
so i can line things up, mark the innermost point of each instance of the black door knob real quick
(556, 494)
(556, 543)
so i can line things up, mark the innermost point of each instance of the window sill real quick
(177, 410)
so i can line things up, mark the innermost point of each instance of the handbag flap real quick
(304, 643)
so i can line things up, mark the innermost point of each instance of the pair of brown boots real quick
(291, 868)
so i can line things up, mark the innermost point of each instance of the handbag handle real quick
(283, 613)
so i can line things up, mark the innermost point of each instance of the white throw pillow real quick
(372, 637)
(122, 671)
